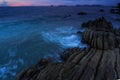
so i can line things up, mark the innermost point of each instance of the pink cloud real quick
(20, 4)
(42, 3)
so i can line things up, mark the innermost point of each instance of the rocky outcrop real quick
(100, 61)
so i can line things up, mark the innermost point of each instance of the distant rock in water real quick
(102, 10)
(99, 61)
(116, 10)
(82, 13)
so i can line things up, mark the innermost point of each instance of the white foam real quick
(64, 36)
(9, 69)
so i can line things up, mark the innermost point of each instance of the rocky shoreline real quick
(99, 61)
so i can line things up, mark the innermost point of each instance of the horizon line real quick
(54, 5)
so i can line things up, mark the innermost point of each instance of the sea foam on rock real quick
(99, 61)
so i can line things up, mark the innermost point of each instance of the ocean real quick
(28, 34)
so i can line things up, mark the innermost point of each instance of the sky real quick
(56, 2)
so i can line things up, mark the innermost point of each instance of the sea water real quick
(28, 34)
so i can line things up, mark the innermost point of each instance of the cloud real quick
(20, 4)
(60, 2)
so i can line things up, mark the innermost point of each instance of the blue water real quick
(28, 34)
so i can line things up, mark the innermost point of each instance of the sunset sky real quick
(55, 2)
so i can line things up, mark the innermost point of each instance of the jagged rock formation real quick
(100, 61)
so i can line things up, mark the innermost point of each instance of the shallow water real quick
(29, 33)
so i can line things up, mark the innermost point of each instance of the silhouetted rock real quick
(82, 13)
(79, 32)
(101, 10)
(118, 6)
(116, 10)
(99, 24)
(117, 19)
(99, 61)
(113, 11)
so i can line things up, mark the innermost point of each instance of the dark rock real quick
(118, 19)
(68, 52)
(79, 32)
(43, 63)
(82, 13)
(113, 11)
(102, 10)
(100, 24)
(116, 10)
(28, 73)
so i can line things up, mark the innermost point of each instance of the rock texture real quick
(100, 61)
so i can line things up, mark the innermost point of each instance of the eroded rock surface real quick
(100, 61)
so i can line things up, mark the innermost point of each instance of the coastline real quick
(100, 60)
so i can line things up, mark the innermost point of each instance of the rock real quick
(118, 19)
(82, 13)
(101, 10)
(99, 61)
(43, 63)
(116, 10)
(68, 52)
(96, 25)
(28, 74)
(79, 32)
(113, 11)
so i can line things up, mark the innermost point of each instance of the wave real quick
(64, 36)
(10, 68)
